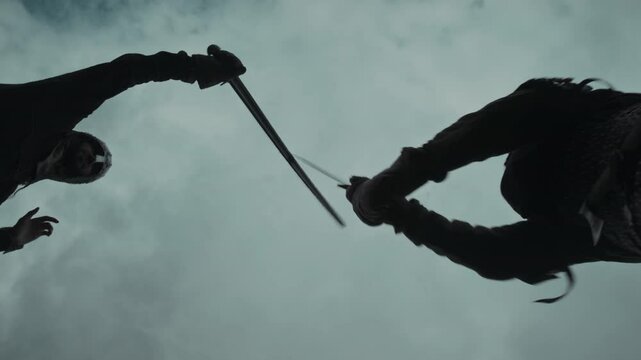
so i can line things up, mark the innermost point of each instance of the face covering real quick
(54, 166)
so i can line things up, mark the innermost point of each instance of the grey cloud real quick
(561, 8)
(68, 13)
(201, 243)
(478, 4)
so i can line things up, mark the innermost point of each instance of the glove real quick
(370, 201)
(218, 67)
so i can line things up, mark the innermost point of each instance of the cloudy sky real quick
(202, 244)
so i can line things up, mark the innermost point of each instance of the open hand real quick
(27, 229)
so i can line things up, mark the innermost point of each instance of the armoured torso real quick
(550, 180)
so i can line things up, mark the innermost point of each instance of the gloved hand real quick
(216, 67)
(370, 199)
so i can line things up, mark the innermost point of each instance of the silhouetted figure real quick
(37, 140)
(571, 148)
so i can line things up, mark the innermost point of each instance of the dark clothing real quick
(560, 138)
(36, 115)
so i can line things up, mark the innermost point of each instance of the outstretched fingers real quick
(46, 229)
(43, 224)
(30, 214)
(46, 218)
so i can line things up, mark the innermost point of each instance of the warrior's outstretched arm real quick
(59, 103)
(526, 250)
(506, 124)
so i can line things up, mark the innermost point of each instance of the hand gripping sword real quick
(255, 110)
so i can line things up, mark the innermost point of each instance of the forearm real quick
(133, 69)
(500, 127)
(66, 99)
(521, 118)
(7, 242)
(525, 250)
(109, 79)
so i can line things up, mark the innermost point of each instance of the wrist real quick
(413, 168)
(10, 239)
(398, 213)
(174, 66)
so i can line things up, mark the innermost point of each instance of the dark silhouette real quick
(571, 173)
(37, 140)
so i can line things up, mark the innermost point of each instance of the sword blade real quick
(253, 107)
(322, 171)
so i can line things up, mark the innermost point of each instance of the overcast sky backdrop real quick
(201, 243)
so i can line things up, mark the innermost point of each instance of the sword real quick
(341, 183)
(255, 110)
